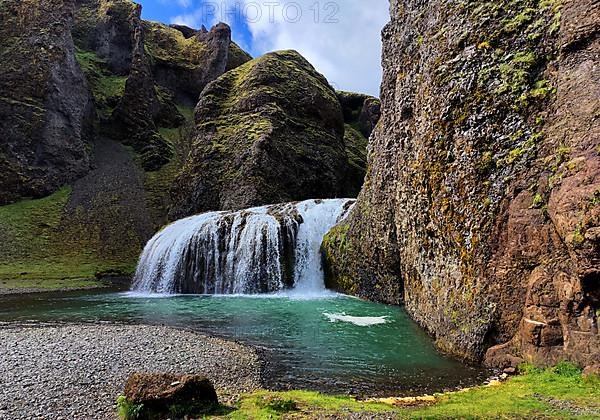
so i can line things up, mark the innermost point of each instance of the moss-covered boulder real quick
(163, 395)
(269, 131)
(45, 107)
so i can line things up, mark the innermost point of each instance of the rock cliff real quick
(96, 124)
(270, 131)
(95, 111)
(361, 114)
(71, 66)
(43, 130)
(480, 207)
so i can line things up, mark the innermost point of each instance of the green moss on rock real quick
(107, 88)
(268, 131)
(170, 46)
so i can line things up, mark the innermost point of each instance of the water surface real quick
(331, 343)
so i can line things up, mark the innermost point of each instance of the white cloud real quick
(193, 20)
(181, 3)
(341, 39)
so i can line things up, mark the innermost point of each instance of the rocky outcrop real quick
(361, 111)
(163, 395)
(361, 114)
(185, 65)
(142, 73)
(106, 27)
(480, 207)
(269, 131)
(140, 77)
(45, 107)
(61, 61)
(133, 121)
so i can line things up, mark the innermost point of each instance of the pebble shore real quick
(77, 372)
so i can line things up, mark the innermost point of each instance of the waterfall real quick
(259, 250)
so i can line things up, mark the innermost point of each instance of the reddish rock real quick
(159, 391)
(592, 370)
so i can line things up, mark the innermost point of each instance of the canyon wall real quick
(480, 207)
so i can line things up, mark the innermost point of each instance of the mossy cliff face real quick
(43, 130)
(361, 114)
(479, 209)
(142, 71)
(185, 65)
(269, 131)
(84, 108)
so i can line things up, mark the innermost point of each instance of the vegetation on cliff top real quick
(169, 45)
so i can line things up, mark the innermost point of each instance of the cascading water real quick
(260, 250)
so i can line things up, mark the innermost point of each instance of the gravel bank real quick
(77, 372)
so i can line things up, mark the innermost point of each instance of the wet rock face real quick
(269, 131)
(45, 107)
(480, 208)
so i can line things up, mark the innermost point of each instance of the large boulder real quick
(269, 131)
(45, 108)
(480, 209)
(164, 395)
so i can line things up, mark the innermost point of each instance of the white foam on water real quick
(361, 321)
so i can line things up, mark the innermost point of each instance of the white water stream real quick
(261, 250)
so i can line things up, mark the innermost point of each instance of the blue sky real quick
(341, 39)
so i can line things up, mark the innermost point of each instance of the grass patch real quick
(34, 254)
(27, 226)
(260, 405)
(186, 111)
(559, 392)
(107, 88)
(127, 410)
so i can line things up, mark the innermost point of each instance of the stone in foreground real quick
(169, 394)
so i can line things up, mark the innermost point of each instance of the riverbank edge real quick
(117, 284)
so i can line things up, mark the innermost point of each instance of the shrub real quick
(278, 404)
(567, 369)
(127, 410)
